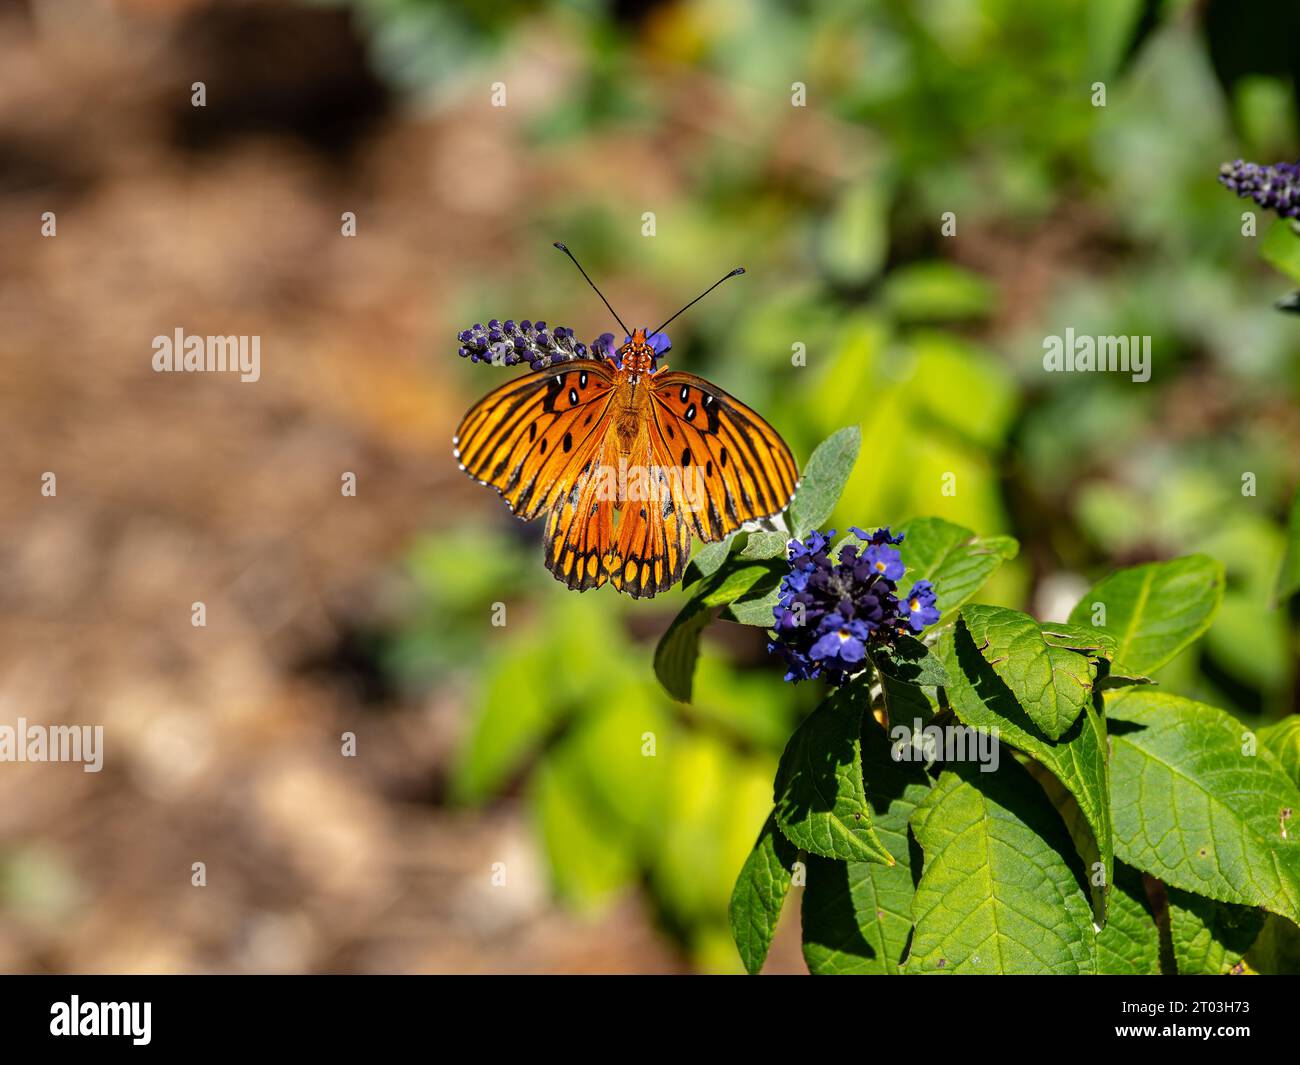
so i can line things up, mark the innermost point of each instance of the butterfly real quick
(626, 461)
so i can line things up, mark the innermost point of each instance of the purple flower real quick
(1275, 188)
(509, 343)
(804, 551)
(603, 346)
(845, 640)
(660, 342)
(885, 561)
(831, 611)
(880, 536)
(798, 579)
(919, 609)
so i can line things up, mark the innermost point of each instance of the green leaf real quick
(707, 560)
(1194, 809)
(1283, 739)
(590, 859)
(910, 674)
(980, 699)
(753, 611)
(512, 717)
(821, 804)
(1288, 578)
(1280, 248)
(823, 480)
(1129, 945)
(755, 606)
(679, 647)
(998, 893)
(1051, 683)
(936, 291)
(911, 661)
(857, 916)
(1210, 938)
(1094, 642)
(762, 544)
(906, 703)
(855, 235)
(760, 893)
(1155, 610)
(953, 558)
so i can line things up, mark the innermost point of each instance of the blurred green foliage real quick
(1105, 219)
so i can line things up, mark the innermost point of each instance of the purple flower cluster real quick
(1275, 188)
(509, 343)
(831, 611)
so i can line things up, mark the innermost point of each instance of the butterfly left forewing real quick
(532, 438)
(747, 471)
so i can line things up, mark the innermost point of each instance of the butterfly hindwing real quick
(747, 471)
(533, 437)
(580, 527)
(653, 540)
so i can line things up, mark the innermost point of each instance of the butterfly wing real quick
(546, 442)
(532, 438)
(654, 536)
(747, 471)
(580, 525)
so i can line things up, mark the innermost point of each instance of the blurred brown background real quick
(222, 743)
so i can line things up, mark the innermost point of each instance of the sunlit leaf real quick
(1077, 759)
(952, 558)
(823, 480)
(1154, 610)
(1051, 683)
(998, 892)
(1129, 945)
(1194, 808)
(1210, 938)
(1280, 248)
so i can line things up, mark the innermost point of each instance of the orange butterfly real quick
(625, 460)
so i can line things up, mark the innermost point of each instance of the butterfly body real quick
(627, 462)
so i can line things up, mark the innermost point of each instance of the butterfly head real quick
(638, 353)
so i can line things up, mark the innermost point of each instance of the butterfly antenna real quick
(583, 272)
(734, 273)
